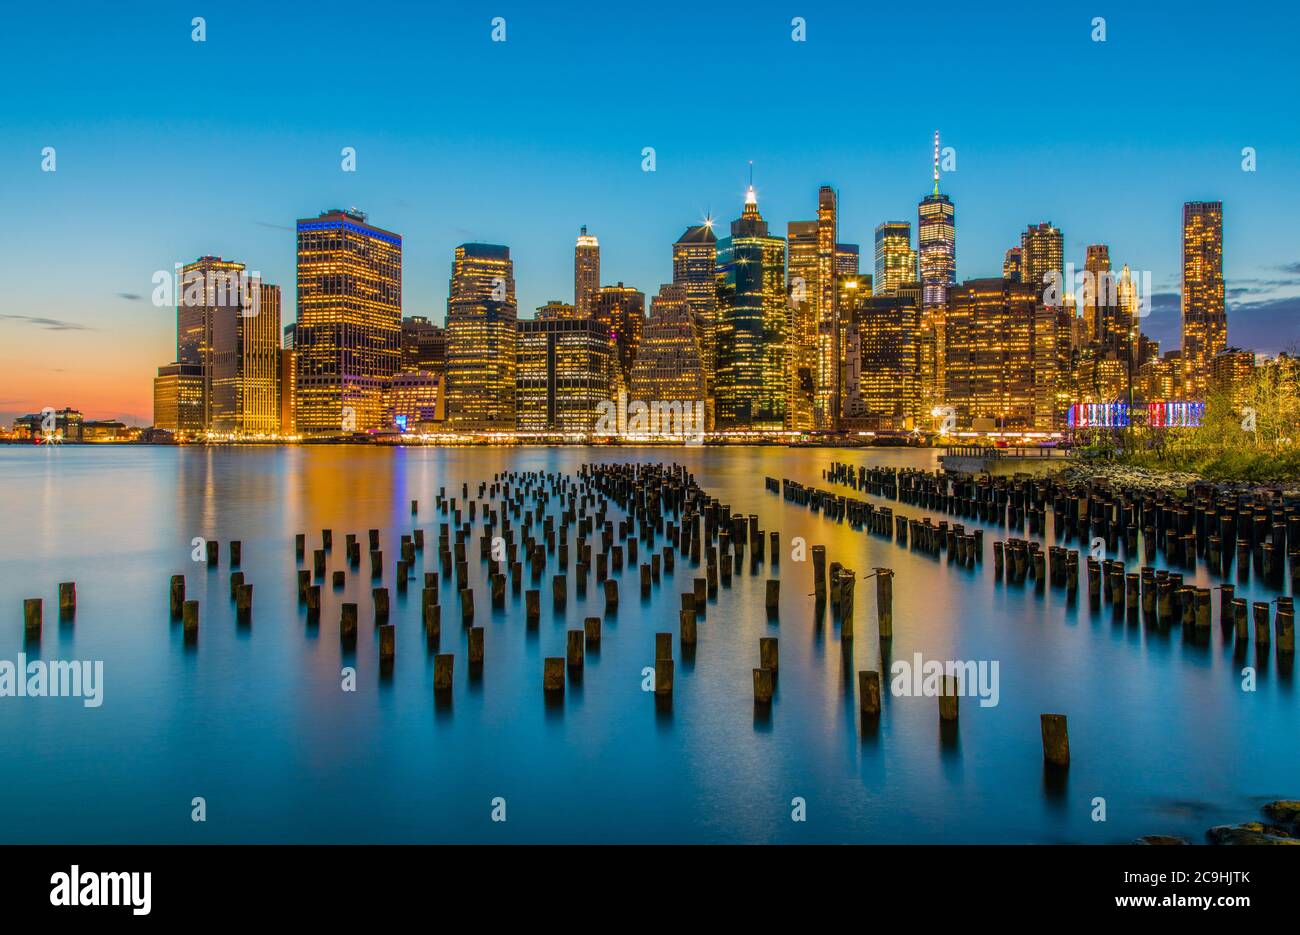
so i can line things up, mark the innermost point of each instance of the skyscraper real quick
(1205, 319)
(482, 322)
(895, 258)
(1011, 264)
(802, 271)
(424, 345)
(563, 370)
(884, 345)
(1042, 250)
(620, 310)
(210, 289)
(695, 261)
(751, 341)
(586, 272)
(348, 339)
(846, 259)
(990, 367)
(936, 239)
(669, 365)
(826, 402)
(245, 373)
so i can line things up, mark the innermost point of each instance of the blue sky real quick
(169, 148)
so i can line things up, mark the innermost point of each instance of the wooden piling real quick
(869, 692)
(576, 643)
(387, 643)
(591, 627)
(67, 598)
(1056, 739)
(553, 675)
(443, 663)
(190, 617)
(32, 611)
(768, 656)
(176, 598)
(763, 683)
(476, 646)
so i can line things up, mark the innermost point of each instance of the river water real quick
(254, 719)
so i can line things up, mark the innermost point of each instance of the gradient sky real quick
(169, 149)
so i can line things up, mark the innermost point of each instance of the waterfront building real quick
(896, 261)
(990, 366)
(1205, 320)
(482, 332)
(586, 272)
(620, 310)
(563, 372)
(348, 336)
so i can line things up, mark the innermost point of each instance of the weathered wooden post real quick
(244, 601)
(32, 612)
(466, 607)
(948, 699)
(1262, 635)
(819, 572)
(576, 644)
(236, 579)
(763, 683)
(1056, 739)
(340, 577)
(236, 552)
(476, 646)
(688, 626)
(432, 625)
(176, 599)
(532, 605)
(560, 590)
(885, 602)
(645, 580)
(869, 692)
(67, 599)
(442, 669)
(768, 656)
(299, 546)
(387, 644)
(611, 596)
(591, 627)
(212, 545)
(190, 618)
(348, 623)
(380, 599)
(553, 675)
(313, 602)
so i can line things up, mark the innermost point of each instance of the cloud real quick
(1265, 327)
(49, 324)
(277, 227)
(1292, 268)
(130, 296)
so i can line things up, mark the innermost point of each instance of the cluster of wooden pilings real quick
(241, 590)
(925, 536)
(1258, 530)
(34, 610)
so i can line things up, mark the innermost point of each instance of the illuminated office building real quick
(586, 272)
(990, 368)
(288, 391)
(669, 366)
(1232, 373)
(178, 398)
(1160, 378)
(244, 397)
(482, 332)
(752, 321)
(620, 310)
(349, 334)
(936, 240)
(1205, 321)
(209, 290)
(1042, 250)
(555, 309)
(1011, 264)
(424, 345)
(883, 372)
(801, 323)
(416, 400)
(853, 294)
(896, 261)
(562, 374)
(847, 259)
(827, 400)
(695, 261)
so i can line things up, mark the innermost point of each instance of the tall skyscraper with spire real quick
(1205, 319)
(936, 240)
(752, 309)
(586, 272)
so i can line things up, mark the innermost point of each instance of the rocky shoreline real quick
(1079, 471)
(1283, 827)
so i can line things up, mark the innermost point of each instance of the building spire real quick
(936, 162)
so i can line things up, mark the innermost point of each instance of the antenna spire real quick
(936, 162)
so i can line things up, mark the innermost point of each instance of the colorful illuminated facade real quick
(752, 308)
(349, 334)
(896, 262)
(482, 331)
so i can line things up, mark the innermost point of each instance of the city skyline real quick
(442, 171)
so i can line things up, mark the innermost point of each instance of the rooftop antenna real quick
(936, 162)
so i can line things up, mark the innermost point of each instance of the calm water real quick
(253, 718)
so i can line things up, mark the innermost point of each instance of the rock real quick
(1252, 832)
(1160, 839)
(1284, 811)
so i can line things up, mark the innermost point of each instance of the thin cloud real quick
(130, 296)
(49, 324)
